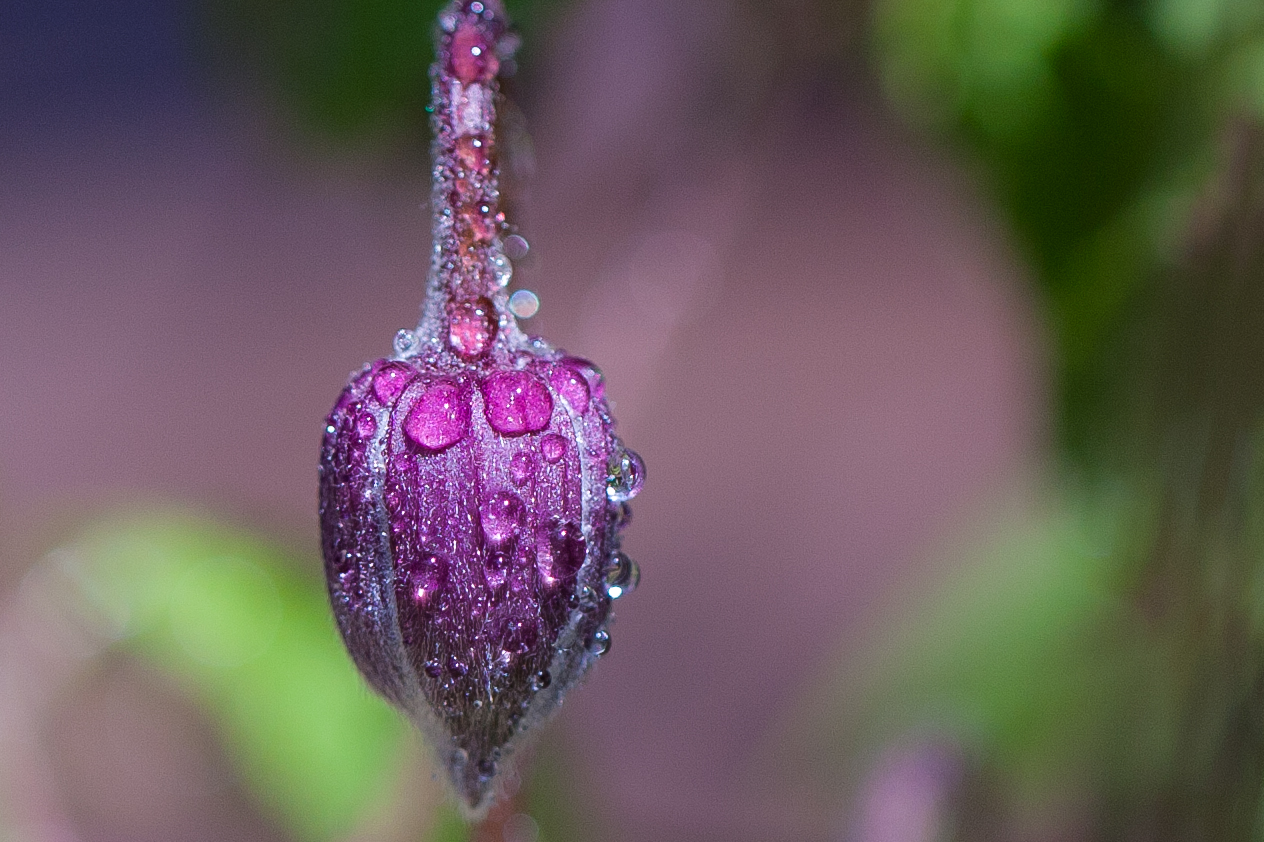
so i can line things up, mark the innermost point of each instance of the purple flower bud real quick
(472, 489)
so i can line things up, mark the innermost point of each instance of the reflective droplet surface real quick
(427, 577)
(390, 380)
(473, 59)
(516, 247)
(366, 425)
(626, 476)
(441, 416)
(552, 447)
(572, 386)
(560, 549)
(496, 570)
(471, 327)
(541, 680)
(433, 668)
(600, 643)
(622, 577)
(474, 151)
(520, 468)
(524, 303)
(516, 402)
(405, 342)
(501, 516)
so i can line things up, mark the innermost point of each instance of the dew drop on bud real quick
(572, 386)
(472, 327)
(520, 468)
(600, 643)
(516, 402)
(622, 577)
(501, 517)
(541, 680)
(405, 342)
(390, 380)
(552, 448)
(473, 59)
(626, 477)
(441, 416)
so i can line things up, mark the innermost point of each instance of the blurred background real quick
(939, 324)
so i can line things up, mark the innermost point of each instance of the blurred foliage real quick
(252, 640)
(1033, 660)
(1094, 121)
(344, 68)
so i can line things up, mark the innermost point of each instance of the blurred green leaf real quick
(253, 640)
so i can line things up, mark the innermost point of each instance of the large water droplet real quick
(516, 402)
(441, 416)
(501, 516)
(626, 477)
(541, 680)
(473, 59)
(390, 380)
(366, 425)
(600, 643)
(622, 577)
(596, 380)
(433, 668)
(572, 386)
(457, 668)
(552, 447)
(471, 327)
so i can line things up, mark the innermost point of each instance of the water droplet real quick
(596, 380)
(390, 380)
(552, 447)
(471, 327)
(520, 468)
(496, 570)
(572, 386)
(519, 636)
(524, 303)
(405, 343)
(476, 7)
(626, 477)
(474, 151)
(622, 577)
(501, 516)
(541, 680)
(502, 269)
(441, 416)
(366, 425)
(427, 578)
(433, 668)
(458, 668)
(516, 246)
(447, 21)
(330, 429)
(478, 703)
(600, 643)
(560, 550)
(472, 57)
(516, 402)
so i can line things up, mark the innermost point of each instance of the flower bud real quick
(472, 489)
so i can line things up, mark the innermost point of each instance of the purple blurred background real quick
(808, 321)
